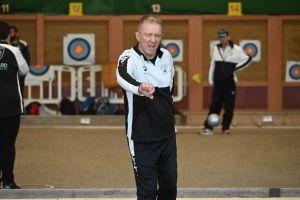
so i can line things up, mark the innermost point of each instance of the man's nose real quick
(153, 39)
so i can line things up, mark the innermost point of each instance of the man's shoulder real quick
(128, 54)
(23, 42)
(12, 49)
(237, 47)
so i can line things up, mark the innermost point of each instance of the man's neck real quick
(7, 41)
(224, 46)
(15, 41)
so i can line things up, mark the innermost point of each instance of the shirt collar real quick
(3, 42)
(158, 52)
(230, 44)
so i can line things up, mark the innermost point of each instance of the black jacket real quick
(147, 120)
(12, 63)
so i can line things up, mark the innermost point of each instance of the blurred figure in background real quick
(12, 65)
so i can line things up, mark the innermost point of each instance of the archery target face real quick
(175, 47)
(252, 48)
(38, 70)
(79, 49)
(292, 71)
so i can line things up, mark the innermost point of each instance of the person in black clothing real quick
(23, 46)
(226, 59)
(146, 72)
(12, 64)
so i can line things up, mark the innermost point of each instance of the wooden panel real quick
(234, 18)
(290, 43)
(290, 97)
(274, 64)
(195, 90)
(40, 40)
(27, 32)
(246, 97)
(238, 30)
(115, 38)
(54, 39)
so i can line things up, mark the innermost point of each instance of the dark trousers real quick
(223, 94)
(9, 128)
(155, 163)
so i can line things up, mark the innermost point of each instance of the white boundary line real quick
(178, 127)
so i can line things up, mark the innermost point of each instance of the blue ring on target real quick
(175, 52)
(292, 71)
(251, 46)
(38, 70)
(85, 48)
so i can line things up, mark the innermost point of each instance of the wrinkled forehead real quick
(151, 26)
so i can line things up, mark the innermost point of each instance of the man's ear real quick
(137, 35)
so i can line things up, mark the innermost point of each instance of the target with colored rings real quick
(79, 49)
(173, 49)
(250, 49)
(38, 69)
(294, 72)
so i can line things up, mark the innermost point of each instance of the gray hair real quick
(151, 19)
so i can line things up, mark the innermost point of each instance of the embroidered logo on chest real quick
(164, 69)
(1, 51)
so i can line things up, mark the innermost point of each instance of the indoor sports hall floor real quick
(59, 158)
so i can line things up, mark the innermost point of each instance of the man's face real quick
(13, 34)
(149, 38)
(224, 40)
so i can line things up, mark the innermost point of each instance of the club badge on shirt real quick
(164, 69)
(1, 51)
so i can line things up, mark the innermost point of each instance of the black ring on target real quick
(79, 49)
(38, 70)
(252, 47)
(294, 72)
(173, 49)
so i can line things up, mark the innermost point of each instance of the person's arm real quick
(172, 79)
(212, 67)
(125, 76)
(23, 67)
(244, 59)
(26, 54)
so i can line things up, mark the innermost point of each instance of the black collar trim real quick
(3, 42)
(158, 52)
(230, 44)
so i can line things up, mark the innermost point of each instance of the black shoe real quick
(11, 186)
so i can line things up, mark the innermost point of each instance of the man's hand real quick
(147, 89)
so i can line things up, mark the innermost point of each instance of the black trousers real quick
(223, 95)
(155, 164)
(9, 128)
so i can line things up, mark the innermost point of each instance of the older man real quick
(145, 72)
